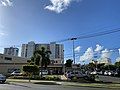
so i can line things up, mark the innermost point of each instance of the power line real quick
(83, 36)
(90, 35)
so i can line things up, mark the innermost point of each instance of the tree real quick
(117, 64)
(68, 63)
(41, 57)
(91, 66)
(30, 69)
(99, 66)
(108, 67)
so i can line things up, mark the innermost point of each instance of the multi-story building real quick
(9, 63)
(28, 49)
(57, 55)
(11, 51)
(57, 51)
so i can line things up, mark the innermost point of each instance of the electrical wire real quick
(90, 35)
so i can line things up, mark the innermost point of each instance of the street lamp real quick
(73, 39)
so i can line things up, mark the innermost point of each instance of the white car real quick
(15, 73)
(93, 73)
(108, 73)
(44, 72)
(2, 78)
(77, 74)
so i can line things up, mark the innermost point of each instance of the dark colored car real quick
(2, 78)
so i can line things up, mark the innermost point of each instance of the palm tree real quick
(41, 57)
(68, 63)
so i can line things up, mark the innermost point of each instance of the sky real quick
(45, 21)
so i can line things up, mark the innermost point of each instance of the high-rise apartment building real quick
(57, 51)
(28, 49)
(11, 51)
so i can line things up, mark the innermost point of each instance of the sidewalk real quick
(27, 81)
(44, 82)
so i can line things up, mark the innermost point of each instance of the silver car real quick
(2, 78)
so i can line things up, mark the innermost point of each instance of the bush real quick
(90, 78)
(48, 78)
(36, 77)
(30, 68)
(52, 78)
(56, 78)
(74, 79)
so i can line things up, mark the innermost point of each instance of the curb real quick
(91, 85)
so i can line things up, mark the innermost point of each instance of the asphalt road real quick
(109, 79)
(29, 86)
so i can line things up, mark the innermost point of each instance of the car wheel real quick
(3, 81)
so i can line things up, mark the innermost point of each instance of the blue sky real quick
(22, 21)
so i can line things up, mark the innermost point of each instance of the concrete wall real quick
(9, 63)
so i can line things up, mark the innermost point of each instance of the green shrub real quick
(47, 78)
(36, 77)
(90, 78)
(74, 79)
(52, 78)
(56, 78)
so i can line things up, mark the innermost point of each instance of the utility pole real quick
(73, 39)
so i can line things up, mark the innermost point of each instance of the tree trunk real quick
(41, 71)
(29, 77)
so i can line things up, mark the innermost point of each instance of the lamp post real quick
(73, 39)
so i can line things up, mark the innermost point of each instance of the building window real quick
(56, 61)
(8, 58)
(1, 57)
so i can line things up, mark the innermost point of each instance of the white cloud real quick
(118, 59)
(6, 3)
(106, 53)
(59, 5)
(119, 51)
(77, 49)
(98, 48)
(2, 34)
(88, 55)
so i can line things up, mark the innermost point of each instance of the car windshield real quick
(16, 72)
(1, 75)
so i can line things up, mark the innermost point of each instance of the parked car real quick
(115, 73)
(77, 74)
(2, 78)
(100, 73)
(16, 73)
(44, 72)
(93, 73)
(109, 73)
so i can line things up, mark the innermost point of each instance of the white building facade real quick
(11, 51)
(57, 50)
(9, 63)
